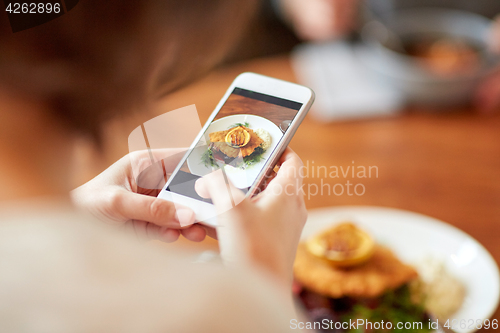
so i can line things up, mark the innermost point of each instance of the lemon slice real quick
(343, 245)
(237, 137)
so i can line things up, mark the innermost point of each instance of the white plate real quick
(414, 237)
(240, 178)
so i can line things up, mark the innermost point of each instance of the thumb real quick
(229, 202)
(163, 213)
(219, 188)
(289, 177)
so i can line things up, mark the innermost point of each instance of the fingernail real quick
(185, 216)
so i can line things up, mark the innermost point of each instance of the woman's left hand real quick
(116, 196)
(266, 229)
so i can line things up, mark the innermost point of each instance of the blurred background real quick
(425, 53)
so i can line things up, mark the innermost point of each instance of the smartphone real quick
(244, 137)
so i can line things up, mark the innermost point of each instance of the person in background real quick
(487, 96)
(320, 20)
(64, 270)
(328, 19)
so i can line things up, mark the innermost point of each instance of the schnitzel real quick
(219, 140)
(381, 273)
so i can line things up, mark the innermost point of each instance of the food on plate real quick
(444, 56)
(344, 245)
(342, 273)
(381, 273)
(378, 272)
(238, 146)
(265, 136)
(237, 137)
(246, 148)
(440, 291)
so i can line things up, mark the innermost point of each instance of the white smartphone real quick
(245, 137)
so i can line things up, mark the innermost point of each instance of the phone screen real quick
(240, 139)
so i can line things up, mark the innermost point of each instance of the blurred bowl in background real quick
(434, 57)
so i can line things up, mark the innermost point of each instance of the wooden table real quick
(443, 165)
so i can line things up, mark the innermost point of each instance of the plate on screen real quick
(241, 178)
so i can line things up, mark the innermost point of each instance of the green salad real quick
(395, 306)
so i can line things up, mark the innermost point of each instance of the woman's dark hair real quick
(104, 57)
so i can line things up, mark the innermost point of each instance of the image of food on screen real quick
(239, 146)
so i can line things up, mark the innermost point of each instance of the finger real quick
(219, 188)
(171, 157)
(201, 189)
(154, 232)
(195, 233)
(289, 177)
(267, 179)
(163, 213)
(145, 158)
(265, 182)
(290, 167)
(152, 178)
(168, 235)
(287, 154)
(140, 229)
(211, 232)
(151, 167)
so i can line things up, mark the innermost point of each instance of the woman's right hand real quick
(265, 230)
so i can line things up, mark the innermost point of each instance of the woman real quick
(65, 271)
